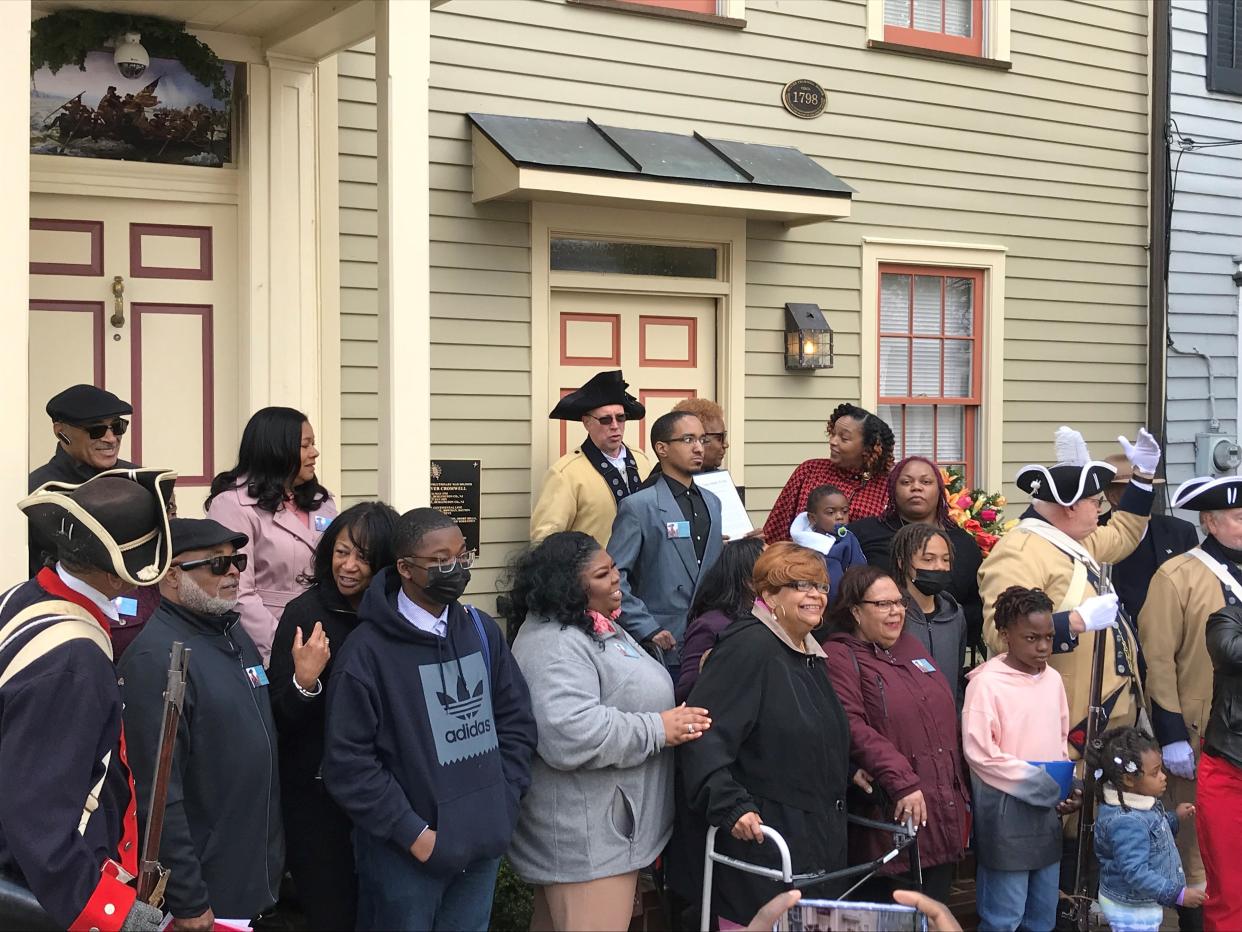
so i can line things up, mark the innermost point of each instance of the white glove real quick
(1099, 612)
(1143, 454)
(1179, 759)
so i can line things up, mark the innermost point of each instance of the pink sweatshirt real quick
(1009, 718)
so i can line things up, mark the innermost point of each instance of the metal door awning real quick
(517, 158)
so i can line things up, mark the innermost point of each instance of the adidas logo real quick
(467, 704)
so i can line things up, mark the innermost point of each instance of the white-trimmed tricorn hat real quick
(1205, 493)
(117, 521)
(1074, 477)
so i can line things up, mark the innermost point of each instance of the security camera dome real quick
(130, 57)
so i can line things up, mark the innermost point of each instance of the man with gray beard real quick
(222, 843)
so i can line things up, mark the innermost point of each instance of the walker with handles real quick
(904, 836)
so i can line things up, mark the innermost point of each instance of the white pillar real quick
(14, 269)
(402, 72)
(280, 240)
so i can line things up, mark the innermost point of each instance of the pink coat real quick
(281, 548)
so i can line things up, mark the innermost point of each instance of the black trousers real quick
(320, 857)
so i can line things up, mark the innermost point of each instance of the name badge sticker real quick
(625, 647)
(925, 665)
(676, 530)
(257, 676)
(126, 605)
(321, 523)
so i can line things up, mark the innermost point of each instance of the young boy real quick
(1016, 714)
(822, 527)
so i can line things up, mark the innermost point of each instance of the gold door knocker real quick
(118, 302)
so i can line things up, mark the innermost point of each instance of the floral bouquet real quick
(979, 512)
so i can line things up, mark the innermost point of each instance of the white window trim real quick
(729, 290)
(991, 260)
(997, 15)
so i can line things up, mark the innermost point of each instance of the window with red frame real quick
(943, 25)
(931, 361)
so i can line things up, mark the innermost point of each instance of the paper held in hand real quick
(735, 522)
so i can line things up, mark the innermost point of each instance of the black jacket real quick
(1223, 737)
(223, 841)
(779, 745)
(60, 468)
(1166, 538)
(299, 719)
(876, 538)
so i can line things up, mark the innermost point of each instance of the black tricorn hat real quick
(117, 521)
(1205, 493)
(604, 388)
(1065, 483)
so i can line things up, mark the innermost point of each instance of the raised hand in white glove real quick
(1096, 613)
(1143, 454)
(1179, 758)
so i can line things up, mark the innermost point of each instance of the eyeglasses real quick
(886, 605)
(98, 431)
(608, 419)
(688, 439)
(717, 437)
(219, 565)
(464, 560)
(805, 585)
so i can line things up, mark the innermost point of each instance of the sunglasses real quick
(608, 419)
(219, 565)
(97, 431)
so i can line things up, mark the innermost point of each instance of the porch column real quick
(280, 242)
(402, 72)
(14, 269)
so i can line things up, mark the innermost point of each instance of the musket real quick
(1086, 815)
(152, 877)
(76, 96)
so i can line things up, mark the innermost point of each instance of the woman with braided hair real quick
(860, 457)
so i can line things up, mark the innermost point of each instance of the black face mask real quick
(446, 586)
(932, 582)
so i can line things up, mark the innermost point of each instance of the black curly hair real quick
(908, 543)
(878, 440)
(1117, 754)
(546, 581)
(1016, 602)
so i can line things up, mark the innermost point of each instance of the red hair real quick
(787, 562)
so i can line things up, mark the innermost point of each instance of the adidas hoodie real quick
(421, 732)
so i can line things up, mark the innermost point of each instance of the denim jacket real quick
(1139, 863)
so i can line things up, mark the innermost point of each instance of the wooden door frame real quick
(728, 290)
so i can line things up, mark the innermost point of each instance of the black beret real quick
(80, 404)
(202, 534)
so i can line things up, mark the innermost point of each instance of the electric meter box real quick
(1216, 454)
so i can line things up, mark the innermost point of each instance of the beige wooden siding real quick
(359, 264)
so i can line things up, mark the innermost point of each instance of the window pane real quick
(950, 434)
(926, 367)
(927, 303)
(592, 255)
(897, 13)
(957, 366)
(891, 415)
(894, 303)
(957, 17)
(959, 306)
(920, 420)
(894, 366)
(927, 15)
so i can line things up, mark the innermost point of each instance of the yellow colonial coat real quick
(1173, 626)
(1023, 558)
(575, 497)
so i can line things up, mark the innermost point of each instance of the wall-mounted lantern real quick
(808, 338)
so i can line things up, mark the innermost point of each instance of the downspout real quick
(1160, 212)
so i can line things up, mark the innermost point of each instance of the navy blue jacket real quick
(420, 732)
(1139, 863)
(1166, 538)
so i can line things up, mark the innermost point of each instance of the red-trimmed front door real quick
(666, 345)
(168, 345)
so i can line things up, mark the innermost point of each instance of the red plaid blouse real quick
(867, 499)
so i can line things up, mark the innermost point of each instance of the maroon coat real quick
(904, 731)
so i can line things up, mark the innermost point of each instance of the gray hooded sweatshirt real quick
(601, 796)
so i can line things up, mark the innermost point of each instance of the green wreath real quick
(67, 36)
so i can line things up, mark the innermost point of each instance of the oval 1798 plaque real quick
(804, 98)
